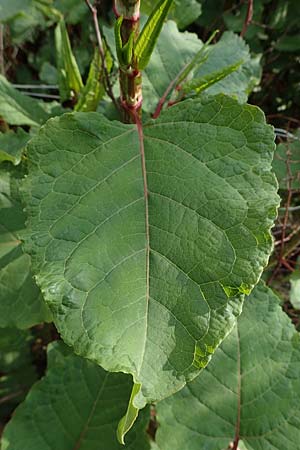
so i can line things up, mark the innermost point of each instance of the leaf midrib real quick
(239, 390)
(90, 416)
(139, 126)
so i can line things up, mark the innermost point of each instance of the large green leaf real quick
(19, 109)
(21, 303)
(76, 406)
(175, 49)
(151, 287)
(251, 389)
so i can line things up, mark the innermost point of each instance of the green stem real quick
(130, 76)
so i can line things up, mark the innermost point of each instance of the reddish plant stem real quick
(238, 420)
(107, 83)
(2, 69)
(248, 19)
(130, 76)
(169, 89)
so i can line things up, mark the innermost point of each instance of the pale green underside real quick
(212, 201)
(263, 352)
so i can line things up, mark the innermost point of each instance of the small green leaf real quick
(124, 52)
(94, 90)
(118, 39)
(150, 33)
(127, 50)
(69, 78)
(200, 57)
(230, 50)
(198, 85)
(130, 417)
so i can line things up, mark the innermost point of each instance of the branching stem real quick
(169, 89)
(248, 19)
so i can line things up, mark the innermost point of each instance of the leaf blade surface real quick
(82, 403)
(209, 183)
(21, 302)
(250, 389)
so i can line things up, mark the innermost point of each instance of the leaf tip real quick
(130, 416)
